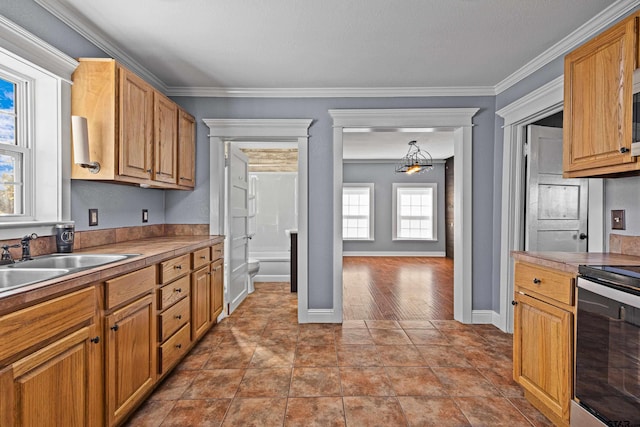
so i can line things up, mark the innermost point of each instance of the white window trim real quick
(394, 207)
(50, 71)
(372, 210)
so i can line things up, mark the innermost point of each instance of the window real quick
(414, 212)
(357, 212)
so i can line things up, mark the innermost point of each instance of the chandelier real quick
(415, 161)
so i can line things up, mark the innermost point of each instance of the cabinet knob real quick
(95, 340)
(624, 150)
(177, 290)
(203, 257)
(115, 327)
(178, 345)
(582, 236)
(536, 281)
(178, 267)
(514, 303)
(178, 316)
(148, 170)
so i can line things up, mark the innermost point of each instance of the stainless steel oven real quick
(607, 376)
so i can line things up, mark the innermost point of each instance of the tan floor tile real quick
(215, 384)
(450, 324)
(465, 382)
(400, 355)
(202, 413)
(230, 357)
(432, 412)
(531, 413)
(314, 355)
(272, 382)
(151, 413)
(364, 411)
(315, 412)
(174, 385)
(255, 412)
(320, 336)
(308, 382)
(279, 336)
(427, 337)
(502, 379)
(365, 382)
(196, 358)
(273, 356)
(443, 355)
(465, 338)
(491, 411)
(353, 336)
(237, 336)
(350, 324)
(416, 324)
(486, 357)
(413, 381)
(382, 324)
(358, 355)
(389, 337)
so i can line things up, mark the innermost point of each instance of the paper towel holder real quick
(81, 144)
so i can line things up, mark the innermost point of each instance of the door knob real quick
(582, 236)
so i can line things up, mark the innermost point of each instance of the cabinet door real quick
(131, 356)
(50, 387)
(165, 118)
(543, 352)
(200, 283)
(135, 147)
(186, 149)
(598, 103)
(216, 290)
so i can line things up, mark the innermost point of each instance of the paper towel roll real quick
(80, 140)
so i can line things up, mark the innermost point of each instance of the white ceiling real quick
(329, 43)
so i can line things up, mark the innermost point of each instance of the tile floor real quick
(260, 368)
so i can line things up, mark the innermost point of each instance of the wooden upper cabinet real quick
(186, 149)
(133, 129)
(166, 139)
(136, 126)
(598, 99)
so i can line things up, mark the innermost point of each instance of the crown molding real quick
(18, 41)
(583, 33)
(354, 92)
(538, 100)
(89, 31)
(400, 117)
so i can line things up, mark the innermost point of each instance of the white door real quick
(238, 197)
(556, 210)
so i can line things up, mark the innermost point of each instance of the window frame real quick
(371, 189)
(398, 186)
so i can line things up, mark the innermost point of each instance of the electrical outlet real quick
(617, 220)
(93, 217)
(145, 215)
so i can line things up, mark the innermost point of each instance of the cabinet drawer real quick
(129, 286)
(217, 251)
(174, 291)
(38, 323)
(174, 348)
(200, 258)
(173, 318)
(553, 284)
(174, 268)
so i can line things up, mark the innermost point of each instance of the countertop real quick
(152, 251)
(569, 261)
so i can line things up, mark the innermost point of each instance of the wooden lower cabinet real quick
(130, 356)
(200, 295)
(543, 339)
(217, 290)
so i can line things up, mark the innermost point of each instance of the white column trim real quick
(460, 120)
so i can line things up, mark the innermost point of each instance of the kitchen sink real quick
(71, 261)
(14, 277)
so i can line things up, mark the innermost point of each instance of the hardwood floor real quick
(397, 288)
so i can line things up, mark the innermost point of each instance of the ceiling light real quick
(415, 161)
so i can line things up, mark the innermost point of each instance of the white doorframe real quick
(281, 130)
(459, 120)
(544, 101)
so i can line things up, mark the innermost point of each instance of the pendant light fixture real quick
(415, 161)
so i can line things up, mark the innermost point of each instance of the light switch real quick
(145, 215)
(617, 220)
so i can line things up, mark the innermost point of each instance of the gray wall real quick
(383, 175)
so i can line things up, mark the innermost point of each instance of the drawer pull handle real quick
(178, 267)
(624, 150)
(115, 327)
(208, 273)
(177, 290)
(536, 281)
(203, 257)
(178, 345)
(178, 316)
(95, 340)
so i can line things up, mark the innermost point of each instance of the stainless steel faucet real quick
(26, 248)
(6, 257)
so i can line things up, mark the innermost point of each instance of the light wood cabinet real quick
(186, 149)
(134, 130)
(130, 353)
(598, 88)
(200, 296)
(217, 290)
(543, 338)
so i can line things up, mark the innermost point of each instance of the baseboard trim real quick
(271, 278)
(435, 254)
(484, 317)
(320, 315)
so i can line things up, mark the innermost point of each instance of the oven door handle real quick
(611, 293)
